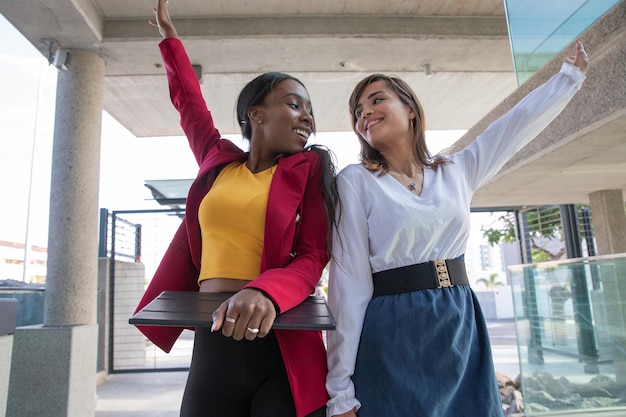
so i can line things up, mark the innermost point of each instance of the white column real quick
(71, 281)
(53, 370)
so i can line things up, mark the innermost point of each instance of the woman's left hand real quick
(249, 314)
(580, 59)
(163, 21)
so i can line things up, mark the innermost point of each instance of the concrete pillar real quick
(71, 280)
(54, 365)
(53, 371)
(609, 221)
(8, 321)
(6, 347)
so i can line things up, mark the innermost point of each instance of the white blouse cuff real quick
(573, 72)
(334, 407)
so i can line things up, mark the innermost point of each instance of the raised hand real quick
(163, 21)
(580, 59)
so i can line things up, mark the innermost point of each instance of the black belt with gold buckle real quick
(440, 273)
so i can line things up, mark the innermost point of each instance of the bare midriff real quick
(222, 285)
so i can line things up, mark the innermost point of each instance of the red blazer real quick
(295, 248)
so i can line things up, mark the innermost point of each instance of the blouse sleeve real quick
(350, 290)
(186, 95)
(484, 157)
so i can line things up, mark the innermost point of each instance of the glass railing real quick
(570, 319)
(539, 29)
(30, 300)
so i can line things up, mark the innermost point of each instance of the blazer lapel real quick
(285, 195)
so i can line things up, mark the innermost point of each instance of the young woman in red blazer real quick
(241, 367)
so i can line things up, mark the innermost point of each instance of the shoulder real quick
(358, 178)
(356, 172)
(312, 155)
(319, 160)
(297, 160)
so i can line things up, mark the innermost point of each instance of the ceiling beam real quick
(420, 27)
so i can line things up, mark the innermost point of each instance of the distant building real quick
(12, 256)
(482, 259)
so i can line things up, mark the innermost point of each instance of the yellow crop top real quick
(232, 223)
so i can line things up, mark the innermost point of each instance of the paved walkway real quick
(158, 394)
(504, 346)
(145, 394)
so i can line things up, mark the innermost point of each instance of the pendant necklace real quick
(411, 185)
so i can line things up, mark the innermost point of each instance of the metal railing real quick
(134, 242)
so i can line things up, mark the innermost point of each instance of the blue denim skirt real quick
(426, 354)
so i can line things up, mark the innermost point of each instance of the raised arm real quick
(484, 157)
(185, 93)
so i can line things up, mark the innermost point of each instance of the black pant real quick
(230, 378)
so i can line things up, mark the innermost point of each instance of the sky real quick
(27, 101)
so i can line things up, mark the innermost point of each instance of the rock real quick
(504, 380)
(517, 404)
(506, 393)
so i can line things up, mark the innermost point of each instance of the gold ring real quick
(255, 331)
(230, 319)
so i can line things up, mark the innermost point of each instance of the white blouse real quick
(383, 225)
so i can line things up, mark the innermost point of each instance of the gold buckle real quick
(442, 273)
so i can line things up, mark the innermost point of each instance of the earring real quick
(260, 121)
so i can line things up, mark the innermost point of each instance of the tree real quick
(491, 282)
(544, 225)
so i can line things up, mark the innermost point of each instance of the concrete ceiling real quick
(593, 162)
(328, 44)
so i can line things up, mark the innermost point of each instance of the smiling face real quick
(284, 121)
(380, 117)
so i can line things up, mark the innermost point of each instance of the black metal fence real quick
(132, 243)
(551, 233)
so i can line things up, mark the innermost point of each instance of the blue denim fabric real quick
(426, 354)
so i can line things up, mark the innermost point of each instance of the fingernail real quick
(213, 327)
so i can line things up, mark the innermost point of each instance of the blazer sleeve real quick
(176, 272)
(186, 95)
(288, 286)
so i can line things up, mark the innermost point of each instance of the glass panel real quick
(539, 29)
(570, 320)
